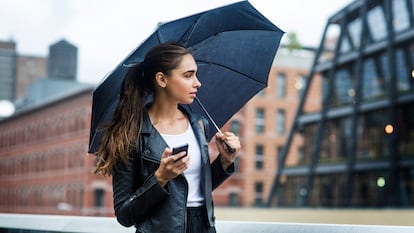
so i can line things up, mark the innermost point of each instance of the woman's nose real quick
(197, 82)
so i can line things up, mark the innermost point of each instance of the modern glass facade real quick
(359, 149)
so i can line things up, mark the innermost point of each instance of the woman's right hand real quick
(171, 166)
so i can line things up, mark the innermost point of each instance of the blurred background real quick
(330, 140)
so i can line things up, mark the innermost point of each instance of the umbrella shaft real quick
(208, 115)
(229, 148)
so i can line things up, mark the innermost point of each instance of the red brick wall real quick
(44, 164)
(243, 181)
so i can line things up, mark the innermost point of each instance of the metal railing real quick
(28, 223)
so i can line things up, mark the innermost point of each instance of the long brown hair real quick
(122, 132)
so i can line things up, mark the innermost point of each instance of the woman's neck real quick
(167, 118)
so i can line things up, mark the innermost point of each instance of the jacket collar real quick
(147, 127)
(154, 144)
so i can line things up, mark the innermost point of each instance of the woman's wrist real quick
(225, 162)
(162, 181)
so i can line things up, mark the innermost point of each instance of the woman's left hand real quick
(226, 157)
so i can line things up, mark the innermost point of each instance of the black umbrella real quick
(234, 47)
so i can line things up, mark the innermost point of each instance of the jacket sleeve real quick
(134, 195)
(218, 174)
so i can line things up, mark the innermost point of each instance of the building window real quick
(301, 155)
(376, 23)
(406, 124)
(259, 157)
(343, 92)
(355, 28)
(258, 200)
(309, 132)
(281, 85)
(325, 86)
(412, 8)
(300, 84)
(372, 83)
(259, 120)
(280, 122)
(385, 69)
(279, 155)
(345, 45)
(373, 143)
(403, 75)
(401, 17)
(235, 127)
(99, 196)
(410, 51)
(236, 163)
(336, 140)
(234, 199)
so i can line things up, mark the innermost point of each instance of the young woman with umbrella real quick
(155, 189)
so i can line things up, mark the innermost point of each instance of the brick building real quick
(45, 168)
(44, 164)
(262, 125)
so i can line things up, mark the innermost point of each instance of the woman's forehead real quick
(187, 63)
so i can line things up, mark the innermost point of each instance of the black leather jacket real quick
(141, 201)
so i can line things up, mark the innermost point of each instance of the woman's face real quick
(182, 84)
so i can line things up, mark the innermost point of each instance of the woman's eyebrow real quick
(189, 71)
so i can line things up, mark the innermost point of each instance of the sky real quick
(106, 31)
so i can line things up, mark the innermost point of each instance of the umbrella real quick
(234, 47)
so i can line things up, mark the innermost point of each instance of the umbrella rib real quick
(229, 68)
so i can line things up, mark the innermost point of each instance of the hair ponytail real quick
(122, 132)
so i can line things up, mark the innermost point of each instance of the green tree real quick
(292, 41)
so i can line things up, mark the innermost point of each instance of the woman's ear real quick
(161, 79)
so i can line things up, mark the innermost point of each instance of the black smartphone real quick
(179, 149)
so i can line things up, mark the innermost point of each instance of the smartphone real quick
(179, 149)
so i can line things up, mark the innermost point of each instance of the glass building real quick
(359, 148)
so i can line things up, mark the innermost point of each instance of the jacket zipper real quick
(186, 190)
(185, 203)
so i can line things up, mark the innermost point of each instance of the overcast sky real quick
(106, 31)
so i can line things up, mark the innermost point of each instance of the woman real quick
(155, 190)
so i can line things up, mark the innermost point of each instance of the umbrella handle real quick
(229, 148)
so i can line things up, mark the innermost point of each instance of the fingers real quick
(230, 138)
(226, 136)
(175, 164)
(166, 153)
(171, 166)
(179, 156)
(168, 157)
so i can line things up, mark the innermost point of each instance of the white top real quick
(193, 172)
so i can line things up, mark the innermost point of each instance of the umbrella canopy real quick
(234, 47)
